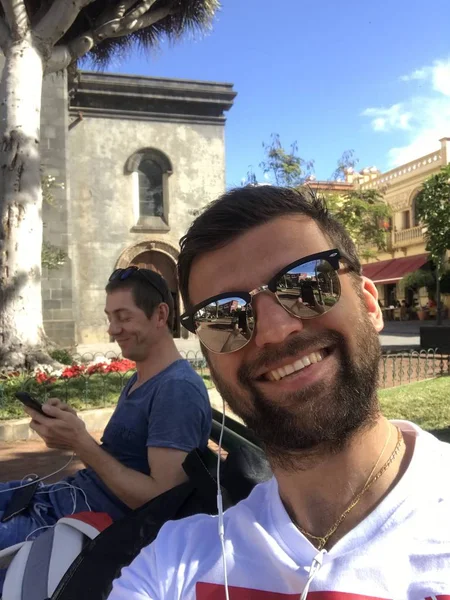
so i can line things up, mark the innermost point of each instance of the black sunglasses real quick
(306, 288)
(123, 274)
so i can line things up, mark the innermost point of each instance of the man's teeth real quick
(298, 365)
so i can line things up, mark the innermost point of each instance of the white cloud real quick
(423, 119)
(387, 119)
(441, 77)
(418, 74)
(432, 122)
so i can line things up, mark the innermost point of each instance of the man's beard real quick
(317, 419)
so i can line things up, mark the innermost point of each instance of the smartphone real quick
(31, 402)
(20, 499)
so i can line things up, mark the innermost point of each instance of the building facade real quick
(137, 156)
(405, 242)
(406, 246)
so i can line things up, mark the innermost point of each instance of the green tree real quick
(365, 215)
(285, 168)
(38, 37)
(347, 161)
(250, 178)
(433, 211)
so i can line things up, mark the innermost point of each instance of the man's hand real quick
(65, 431)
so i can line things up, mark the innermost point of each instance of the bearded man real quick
(359, 506)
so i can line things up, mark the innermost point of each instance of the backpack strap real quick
(37, 566)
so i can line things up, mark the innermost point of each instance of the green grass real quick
(426, 403)
(96, 391)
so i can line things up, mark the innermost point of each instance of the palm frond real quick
(188, 16)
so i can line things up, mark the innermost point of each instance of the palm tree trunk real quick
(21, 327)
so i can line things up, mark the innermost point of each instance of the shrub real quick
(62, 355)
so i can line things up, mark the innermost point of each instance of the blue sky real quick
(368, 76)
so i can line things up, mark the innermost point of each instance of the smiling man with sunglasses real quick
(359, 506)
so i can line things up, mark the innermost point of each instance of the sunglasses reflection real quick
(225, 333)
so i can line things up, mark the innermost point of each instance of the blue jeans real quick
(49, 503)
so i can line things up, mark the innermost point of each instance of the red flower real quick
(97, 368)
(42, 377)
(72, 371)
(120, 366)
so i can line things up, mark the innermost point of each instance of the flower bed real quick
(94, 385)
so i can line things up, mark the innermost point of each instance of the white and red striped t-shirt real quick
(401, 551)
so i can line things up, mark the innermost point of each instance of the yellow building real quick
(405, 243)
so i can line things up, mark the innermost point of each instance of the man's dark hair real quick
(243, 208)
(148, 289)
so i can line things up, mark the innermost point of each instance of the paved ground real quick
(404, 334)
(19, 459)
(23, 458)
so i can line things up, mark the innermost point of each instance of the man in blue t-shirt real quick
(163, 413)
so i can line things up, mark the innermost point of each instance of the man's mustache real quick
(292, 347)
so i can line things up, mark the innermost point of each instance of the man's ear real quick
(162, 314)
(370, 294)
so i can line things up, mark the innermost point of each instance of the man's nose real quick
(273, 323)
(114, 328)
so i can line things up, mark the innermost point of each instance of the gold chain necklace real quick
(323, 540)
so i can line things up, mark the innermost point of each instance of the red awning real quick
(391, 271)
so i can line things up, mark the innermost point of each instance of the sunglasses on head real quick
(306, 288)
(123, 274)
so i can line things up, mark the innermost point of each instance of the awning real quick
(391, 271)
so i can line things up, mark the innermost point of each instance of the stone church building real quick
(136, 156)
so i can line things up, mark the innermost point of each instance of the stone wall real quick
(57, 284)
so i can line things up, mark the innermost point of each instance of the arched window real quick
(150, 188)
(150, 170)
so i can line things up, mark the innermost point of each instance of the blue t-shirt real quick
(170, 410)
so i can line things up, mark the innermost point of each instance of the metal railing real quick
(99, 388)
(427, 162)
(406, 235)
(400, 368)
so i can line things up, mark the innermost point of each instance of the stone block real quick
(66, 238)
(55, 304)
(22, 430)
(45, 283)
(67, 303)
(47, 313)
(64, 314)
(49, 132)
(55, 283)
(56, 294)
(61, 332)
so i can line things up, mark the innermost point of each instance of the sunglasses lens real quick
(225, 325)
(310, 289)
(127, 272)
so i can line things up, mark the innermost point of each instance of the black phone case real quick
(31, 402)
(20, 500)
